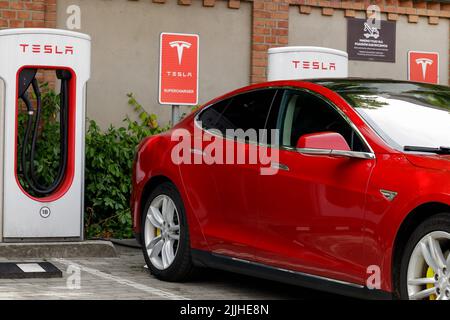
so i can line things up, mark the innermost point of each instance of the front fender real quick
(383, 218)
(153, 161)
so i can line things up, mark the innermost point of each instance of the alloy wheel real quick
(429, 268)
(162, 232)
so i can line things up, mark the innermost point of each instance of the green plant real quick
(109, 159)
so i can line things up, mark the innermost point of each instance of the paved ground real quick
(124, 277)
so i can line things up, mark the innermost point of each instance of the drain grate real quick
(24, 270)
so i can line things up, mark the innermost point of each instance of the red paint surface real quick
(323, 140)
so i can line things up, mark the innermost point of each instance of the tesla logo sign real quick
(45, 49)
(423, 67)
(178, 64)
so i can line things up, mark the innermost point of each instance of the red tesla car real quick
(341, 185)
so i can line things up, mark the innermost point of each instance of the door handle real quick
(279, 166)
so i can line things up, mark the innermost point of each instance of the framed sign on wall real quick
(369, 43)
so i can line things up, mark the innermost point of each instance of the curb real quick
(84, 249)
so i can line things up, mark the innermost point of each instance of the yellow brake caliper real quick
(157, 232)
(431, 274)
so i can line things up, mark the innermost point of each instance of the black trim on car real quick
(137, 236)
(216, 261)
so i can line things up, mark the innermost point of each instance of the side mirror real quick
(323, 140)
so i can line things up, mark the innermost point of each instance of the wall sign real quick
(423, 66)
(178, 69)
(368, 43)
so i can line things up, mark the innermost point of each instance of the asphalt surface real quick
(125, 277)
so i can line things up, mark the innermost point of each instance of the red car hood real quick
(438, 162)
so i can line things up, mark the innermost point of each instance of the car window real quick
(305, 113)
(244, 111)
(406, 118)
(211, 115)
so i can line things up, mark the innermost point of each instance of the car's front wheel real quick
(425, 267)
(165, 235)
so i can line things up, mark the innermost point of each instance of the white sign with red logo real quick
(290, 63)
(423, 66)
(178, 69)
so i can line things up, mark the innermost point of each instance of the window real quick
(304, 113)
(211, 115)
(406, 118)
(245, 111)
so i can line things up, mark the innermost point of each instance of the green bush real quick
(109, 159)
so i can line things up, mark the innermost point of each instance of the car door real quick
(312, 210)
(230, 142)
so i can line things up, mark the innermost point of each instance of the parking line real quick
(135, 285)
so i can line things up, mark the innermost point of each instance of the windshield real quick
(406, 118)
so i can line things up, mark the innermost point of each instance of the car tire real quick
(165, 266)
(422, 249)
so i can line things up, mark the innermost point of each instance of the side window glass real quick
(245, 114)
(305, 113)
(210, 117)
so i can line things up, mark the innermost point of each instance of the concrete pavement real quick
(124, 277)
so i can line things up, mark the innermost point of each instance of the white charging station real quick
(58, 214)
(290, 63)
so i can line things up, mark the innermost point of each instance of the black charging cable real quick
(27, 78)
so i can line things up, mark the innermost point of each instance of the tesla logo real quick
(424, 62)
(314, 65)
(46, 49)
(423, 66)
(180, 45)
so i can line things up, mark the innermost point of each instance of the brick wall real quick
(270, 29)
(27, 13)
(270, 21)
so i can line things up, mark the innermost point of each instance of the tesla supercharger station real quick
(290, 63)
(31, 210)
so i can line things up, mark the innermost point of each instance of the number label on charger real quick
(45, 212)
